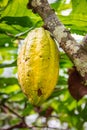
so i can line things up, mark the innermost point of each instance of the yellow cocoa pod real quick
(38, 65)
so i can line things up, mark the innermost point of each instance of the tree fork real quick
(74, 50)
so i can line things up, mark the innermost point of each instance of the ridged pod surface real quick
(38, 65)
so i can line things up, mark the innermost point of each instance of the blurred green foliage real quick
(15, 22)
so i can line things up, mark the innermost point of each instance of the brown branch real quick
(20, 125)
(73, 49)
(23, 124)
(8, 108)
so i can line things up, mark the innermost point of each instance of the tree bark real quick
(76, 52)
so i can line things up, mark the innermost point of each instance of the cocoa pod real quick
(38, 65)
(76, 85)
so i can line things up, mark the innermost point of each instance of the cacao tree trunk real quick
(76, 52)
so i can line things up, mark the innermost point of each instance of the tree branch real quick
(20, 125)
(73, 49)
(8, 108)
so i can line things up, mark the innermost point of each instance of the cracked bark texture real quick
(75, 51)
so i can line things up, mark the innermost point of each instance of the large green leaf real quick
(16, 97)
(5, 39)
(65, 61)
(3, 3)
(4, 65)
(10, 89)
(7, 81)
(7, 55)
(15, 18)
(73, 14)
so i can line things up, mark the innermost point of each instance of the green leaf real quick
(3, 3)
(76, 19)
(17, 97)
(4, 82)
(56, 93)
(26, 21)
(17, 19)
(8, 55)
(62, 80)
(5, 39)
(9, 89)
(65, 61)
(28, 109)
(14, 63)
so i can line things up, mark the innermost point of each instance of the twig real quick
(12, 111)
(20, 125)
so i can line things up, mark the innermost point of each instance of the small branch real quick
(23, 124)
(20, 125)
(8, 108)
(19, 35)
